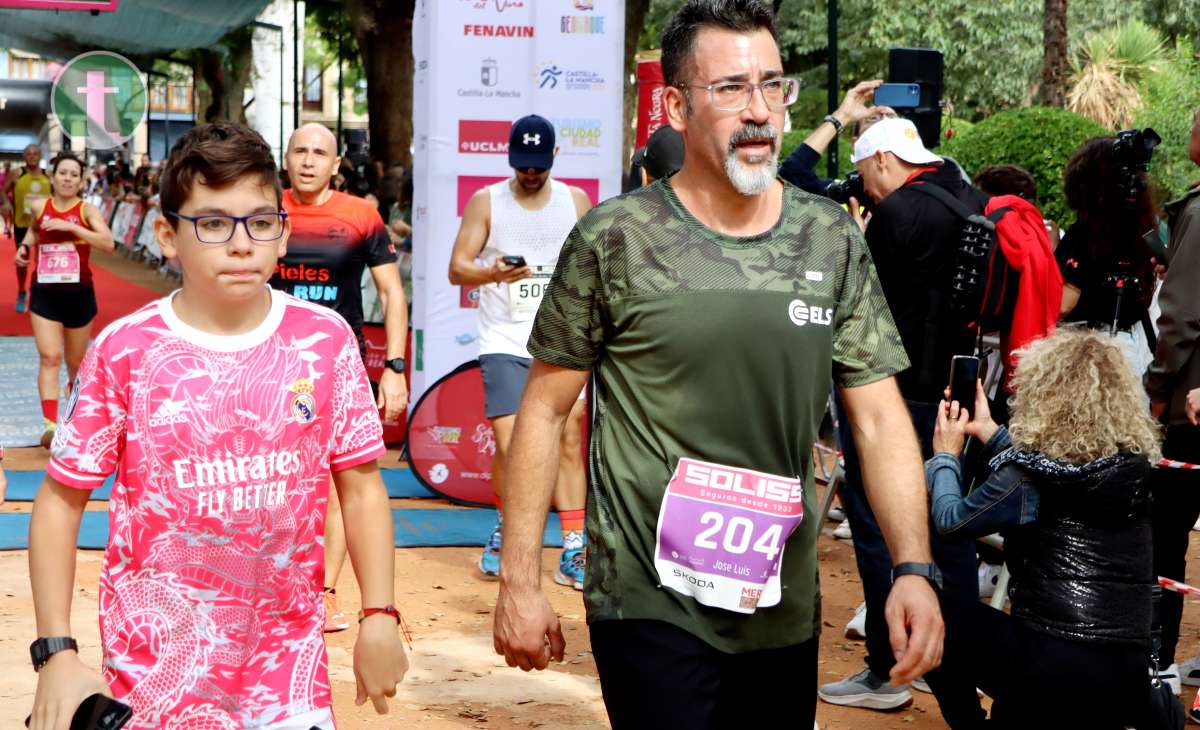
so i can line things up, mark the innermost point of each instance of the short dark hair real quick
(679, 34)
(219, 154)
(1006, 180)
(66, 156)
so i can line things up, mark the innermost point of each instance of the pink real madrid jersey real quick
(210, 598)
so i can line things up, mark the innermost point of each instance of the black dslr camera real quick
(840, 191)
(1131, 153)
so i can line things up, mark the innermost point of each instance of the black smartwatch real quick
(396, 365)
(41, 650)
(928, 571)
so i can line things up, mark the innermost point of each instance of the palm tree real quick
(1112, 64)
(1055, 62)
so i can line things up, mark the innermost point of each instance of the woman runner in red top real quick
(62, 301)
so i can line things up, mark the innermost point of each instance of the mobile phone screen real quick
(964, 372)
(898, 96)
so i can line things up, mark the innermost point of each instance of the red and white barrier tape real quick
(1171, 464)
(1174, 585)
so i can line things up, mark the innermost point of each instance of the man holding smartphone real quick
(508, 246)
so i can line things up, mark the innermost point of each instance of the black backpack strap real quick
(1148, 328)
(957, 207)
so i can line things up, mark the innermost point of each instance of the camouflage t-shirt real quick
(717, 348)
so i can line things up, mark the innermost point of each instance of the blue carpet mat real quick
(23, 485)
(19, 402)
(413, 527)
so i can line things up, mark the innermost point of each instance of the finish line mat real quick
(23, 485)
(461, 527)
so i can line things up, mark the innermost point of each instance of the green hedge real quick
(1039, 139)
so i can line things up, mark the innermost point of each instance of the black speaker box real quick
(922, 66)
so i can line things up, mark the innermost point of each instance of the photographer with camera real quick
(800, 167)
(1066, 485)
(913, 239)
(1172, 382)
(1107, 257)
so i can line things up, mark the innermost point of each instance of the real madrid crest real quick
(304, 406)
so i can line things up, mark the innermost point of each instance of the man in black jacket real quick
(912, 238)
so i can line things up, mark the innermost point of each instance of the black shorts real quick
(504, 378)
(655, 675)
(70, 306)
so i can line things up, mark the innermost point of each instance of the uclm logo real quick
(477, 137)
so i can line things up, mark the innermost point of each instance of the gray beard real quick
(751, 181)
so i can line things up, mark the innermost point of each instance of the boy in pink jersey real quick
(222, 408)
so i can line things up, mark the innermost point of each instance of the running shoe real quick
(856, 629)
(842, 531)
(571, 564)
(489, 562)
(335, 620)
(867, 691)
(22, 303)
(47, 432)
(1189, 672)
(989, 576)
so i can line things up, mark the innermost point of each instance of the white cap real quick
(898, 136)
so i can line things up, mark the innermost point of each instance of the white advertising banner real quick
(481, 65)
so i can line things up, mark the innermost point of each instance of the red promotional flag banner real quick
(651, 113)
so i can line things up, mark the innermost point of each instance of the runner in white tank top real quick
(526, 219)
(507, 309)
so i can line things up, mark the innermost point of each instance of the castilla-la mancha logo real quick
(101, 97)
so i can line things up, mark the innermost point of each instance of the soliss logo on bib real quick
(721, 534)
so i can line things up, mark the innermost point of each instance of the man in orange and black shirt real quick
(334, 238)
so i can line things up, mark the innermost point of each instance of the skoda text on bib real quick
(721, 534)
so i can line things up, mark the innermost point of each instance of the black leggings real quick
(655, 676)
(1035, 680)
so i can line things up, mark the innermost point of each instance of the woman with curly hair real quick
(1067, 488)
(1107, 266)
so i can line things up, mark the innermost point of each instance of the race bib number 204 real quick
(721, 534)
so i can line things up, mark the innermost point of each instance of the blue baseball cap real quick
(531, 143)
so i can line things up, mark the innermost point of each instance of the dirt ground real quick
(455, 680)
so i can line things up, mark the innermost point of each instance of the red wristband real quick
(394, 613)
(389, 610)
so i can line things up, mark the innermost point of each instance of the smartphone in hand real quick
(514, 261)
(98, 713)
(964, 373)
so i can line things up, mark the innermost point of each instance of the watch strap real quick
(928, 571)
(837, 124)
(398, 367)
(42, 649)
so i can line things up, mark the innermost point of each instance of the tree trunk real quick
(1054, 62)
(635, 19)
(383, 29)
(226, 69)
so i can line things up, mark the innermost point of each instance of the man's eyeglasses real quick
(734, 96)
(218, 229)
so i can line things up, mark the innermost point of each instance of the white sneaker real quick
(921, 685)
(836, 514)
(857, 628)
(1197, 525)
(842, 531)
(1189, 672)
(989, 575)
(1170, 677)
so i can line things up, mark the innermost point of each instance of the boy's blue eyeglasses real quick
(218, 229)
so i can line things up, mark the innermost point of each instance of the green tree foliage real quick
(1169, 99)
(993, 49)
(1038, 139)
(324, 25)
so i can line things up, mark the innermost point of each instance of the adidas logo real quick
(169, 413)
